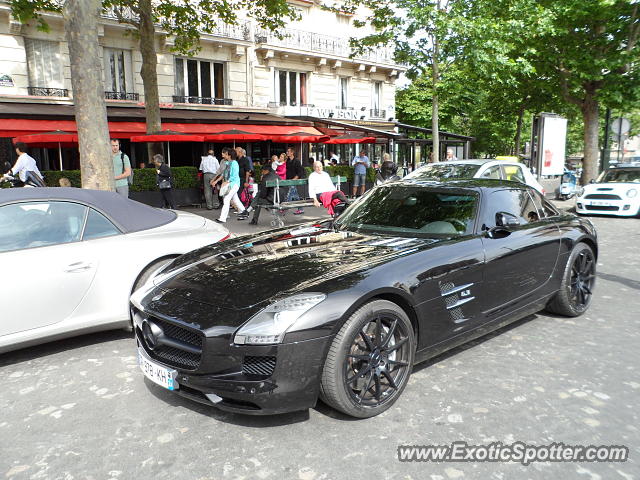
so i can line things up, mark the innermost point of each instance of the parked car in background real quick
(343, 311)
(615, 192)
(480, 168)
(70, 258)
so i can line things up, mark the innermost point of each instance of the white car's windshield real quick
(621, 175)
(444, 170)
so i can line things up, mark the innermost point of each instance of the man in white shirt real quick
(25, 163)
(320, 182)
(209, 167)
(451, 156)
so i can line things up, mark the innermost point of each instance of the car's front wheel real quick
(369, 361)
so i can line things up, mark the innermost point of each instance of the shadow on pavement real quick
(54, 347)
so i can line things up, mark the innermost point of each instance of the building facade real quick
(308, 74)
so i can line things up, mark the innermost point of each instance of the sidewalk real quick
(264, 223)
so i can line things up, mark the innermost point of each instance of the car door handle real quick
(78, 267)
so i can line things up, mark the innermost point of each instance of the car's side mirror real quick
(504, 219)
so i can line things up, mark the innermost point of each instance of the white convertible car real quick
(70, 258)
(615, 192)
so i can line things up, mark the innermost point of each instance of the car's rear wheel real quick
(576, 289)
(369, 361)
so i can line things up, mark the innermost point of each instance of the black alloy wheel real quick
(578, 282)
(370, 360)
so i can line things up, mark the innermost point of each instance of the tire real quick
(578, 281)
(149, 271)
(374, 352)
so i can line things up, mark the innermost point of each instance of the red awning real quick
(48, 138)
(299, 137)
(235, 135)
(167, 136)
(14, 127)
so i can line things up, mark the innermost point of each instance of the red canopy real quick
(347, 138)
(48, 138)
(234, 135)
(299, 137)
(168, 136)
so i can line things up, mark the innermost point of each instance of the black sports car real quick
(342, 311)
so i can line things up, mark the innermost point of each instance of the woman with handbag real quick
(164, 181)
(230, 186)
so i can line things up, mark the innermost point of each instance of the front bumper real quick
(256, 380)
(627, 207)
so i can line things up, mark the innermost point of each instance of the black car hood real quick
(253, 270)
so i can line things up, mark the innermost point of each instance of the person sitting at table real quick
(323, 191)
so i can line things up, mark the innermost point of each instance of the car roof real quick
(478, 161)
(466, 184)
(128, 215)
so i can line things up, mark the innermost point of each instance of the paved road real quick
(80, 409)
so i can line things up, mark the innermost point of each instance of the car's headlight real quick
(269, 325)
(632, 193)
(580, 191)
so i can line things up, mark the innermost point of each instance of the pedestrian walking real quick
(230, 186)
(121, 168)
(164, 181)
(360, 164)
(209, 167)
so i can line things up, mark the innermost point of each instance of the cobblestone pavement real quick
(81, 409)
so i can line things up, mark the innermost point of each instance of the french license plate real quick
(156, 373)
(599, 204)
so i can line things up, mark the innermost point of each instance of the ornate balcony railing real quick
(241, 31)
(202, 100)
(325, 44)
(373, 113)
(134, 97)
(48, 92)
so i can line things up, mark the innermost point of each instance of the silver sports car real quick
(70, 258)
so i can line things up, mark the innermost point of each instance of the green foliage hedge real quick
(144, 179)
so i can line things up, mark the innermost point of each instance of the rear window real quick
(444, 170)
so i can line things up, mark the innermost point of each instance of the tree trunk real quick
(435, 127)
(148, 72)
(518, 137)
(81, 25)
(590, 115)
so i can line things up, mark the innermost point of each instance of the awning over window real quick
(12, 127)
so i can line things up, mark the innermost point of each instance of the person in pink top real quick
(279, 165)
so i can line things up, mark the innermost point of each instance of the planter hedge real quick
(144, 179)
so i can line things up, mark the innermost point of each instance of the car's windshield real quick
(412, 211)
(436, 171)
(622, 175)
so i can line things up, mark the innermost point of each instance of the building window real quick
(199, 79)
(290, 87)
(117, 70)
(376, 97)
(343, 19)
(344, 92)
(44, 63)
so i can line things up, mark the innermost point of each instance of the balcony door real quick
(44, 63)
(117, 72)
(198, 81)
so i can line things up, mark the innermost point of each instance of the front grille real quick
(175, 357)
(602, 207)
(172, 354)
(603, 196)
(179, 333)
(259, 365)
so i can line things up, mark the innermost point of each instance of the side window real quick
(513, 202)
(514, 173)
(492, 172)
(39, 224)
(98, 226)
(544, 207)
